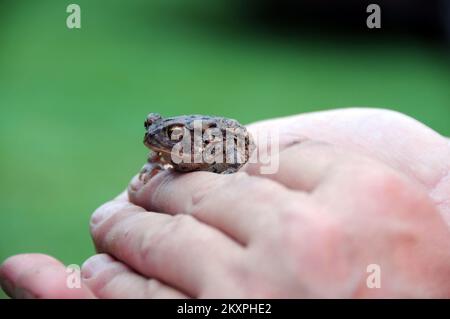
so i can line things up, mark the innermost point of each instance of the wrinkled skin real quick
(163, 134)
(355, 187)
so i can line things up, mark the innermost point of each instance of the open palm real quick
(355, 187)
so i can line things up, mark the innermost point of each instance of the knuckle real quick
(236, 187)
(378, 188)
(209, 187)
(179, 223)
(154, 243)
(398, 192)
(109, 231)
(202, 195)
(381, 181)
(316, 238)
(256, 188)
(320, 233)
(297, 212)
(120, 231)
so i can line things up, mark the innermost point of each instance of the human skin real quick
(355, 187)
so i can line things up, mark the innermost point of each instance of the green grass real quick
(73, 101)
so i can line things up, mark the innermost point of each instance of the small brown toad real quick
(196, 143)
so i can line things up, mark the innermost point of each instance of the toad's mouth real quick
(165, 152)
(160, 150)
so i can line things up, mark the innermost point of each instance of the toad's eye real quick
(175, 132)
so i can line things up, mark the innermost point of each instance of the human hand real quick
(355, 187)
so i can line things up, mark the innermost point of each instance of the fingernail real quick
(97, 217)
(94, 265)
(103, 212)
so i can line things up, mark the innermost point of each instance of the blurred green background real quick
(73, 102)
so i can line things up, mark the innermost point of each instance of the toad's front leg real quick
(152, 167)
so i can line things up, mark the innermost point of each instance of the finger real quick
(181, 252)
(38, 276)
(304, 165)
(110, 279)
(238, 204)
(391, 137)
